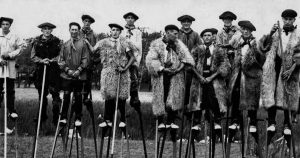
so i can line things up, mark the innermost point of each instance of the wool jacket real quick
(154, 61)
(219, 63)
(114, 53)
(276, 91)
(246, 74)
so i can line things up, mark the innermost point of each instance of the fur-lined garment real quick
(247, 71)
(280, 93)
(154, 61)
(220, 63)
(111, 57)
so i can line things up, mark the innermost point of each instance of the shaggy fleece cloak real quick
(155, 60)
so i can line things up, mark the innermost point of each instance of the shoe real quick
(217, 126)
(105, 124)
(203, 140)
(271, 128)
(174, 126)
(13, 115)
(233, 126)
(287, 131)
(161, 126)
(63, 121)
(71, 134)
(78, 122)
(252, 129)
(9, 131)
(122, 125)
(196, 128)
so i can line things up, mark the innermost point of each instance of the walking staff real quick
(10, 48)
(165, 61)
(280, 82)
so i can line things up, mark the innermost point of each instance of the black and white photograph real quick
(149, 79)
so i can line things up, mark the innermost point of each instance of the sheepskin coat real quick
(154, 61)
(114, 53)
(280, 93)
(220, 63)
(247, 71)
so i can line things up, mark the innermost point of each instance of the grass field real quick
(27, 107)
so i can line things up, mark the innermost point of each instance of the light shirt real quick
(136, 39)
(285, 40)
(9, 44)
(244, 51)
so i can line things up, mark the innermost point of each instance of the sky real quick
(154, 14)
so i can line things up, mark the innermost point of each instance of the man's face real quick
(207, 37)
(5, 25)
(172, 35)
(186, 24)
(246, 32)
(288, 20)
(115, 32)
(130, 20)
(74, 31)
(86, 23)
(46, 31)
(214, 37)
(227, 22)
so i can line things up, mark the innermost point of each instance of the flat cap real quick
(10, 20)
(228, 15)
(206, 30)
(186, 17)
(47, 24)
(76, 24)
(171, 27)
(115, 25)
(83, 17)
(132, 14)
(247, 24)
(289, 13)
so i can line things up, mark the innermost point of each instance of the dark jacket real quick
(46, 49)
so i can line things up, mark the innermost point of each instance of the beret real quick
(132, 14)
(214, 30)
(76, 24)
(171, 27)
(47, 24)
(206, 30)
(228, 15)
(10, 20)
(247, 24)
(186, 17)
(115, 25)
(289, 13)
(83, 17)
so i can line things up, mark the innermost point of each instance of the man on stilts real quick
(116, 55)
(134, 35)
(208, 91)
(45, 51)
(280, 82)
(73, 61)
(10, 47)
(191, 39)
(165, 61)
(244, 83)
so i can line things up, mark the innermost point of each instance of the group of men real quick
(225, 71)
(219, 71)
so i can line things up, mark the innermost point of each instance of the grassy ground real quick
(27, 107)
